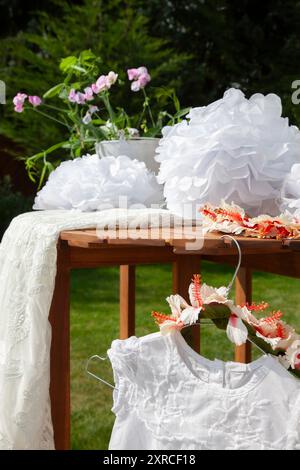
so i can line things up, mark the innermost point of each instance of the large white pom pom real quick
(90, 183)
(290, 193)
(234, 149)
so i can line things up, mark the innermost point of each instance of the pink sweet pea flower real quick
(93, 109)
(87, 118)
(72, 96)
(88, 93)
(144, 79)
(111, 79)
(140, 77)
(100, 85)
(19, 98)
(141, 71)
(18, 101)
(80, 98)
(34, 100)
(135, 86)
(133, 74)
(19, 108)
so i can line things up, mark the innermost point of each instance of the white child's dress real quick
(169, 397)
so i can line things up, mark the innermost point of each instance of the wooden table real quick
(84, 249)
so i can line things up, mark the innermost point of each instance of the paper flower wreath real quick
(230, 218)
(270, 333)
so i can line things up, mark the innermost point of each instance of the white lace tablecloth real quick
(27, 276)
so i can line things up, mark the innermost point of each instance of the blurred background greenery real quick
(200, 47)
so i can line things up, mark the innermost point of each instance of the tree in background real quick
(200, 47)
(114, 30)
(249, 44)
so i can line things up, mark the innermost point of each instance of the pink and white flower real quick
(275, 332)
(184, 313)
(72, 96)
(35, 100)
(133, 74)
(18, 101)
(135, 86)
(236, 330)
(88, 93)
(93, 109)
(104, 82)
(293, 354)
(140, 77)
(111, 79)
(100, 85)
(80, 98)
(144, 79)
(88, 116)
(176, 303)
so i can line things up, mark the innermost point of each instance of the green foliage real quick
(12, 203)
(114, 30)
(198, 48)
(93, 118)
(249, 44)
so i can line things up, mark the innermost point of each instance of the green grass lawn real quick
(95, 323)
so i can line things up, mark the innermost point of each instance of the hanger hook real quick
(99, 358)
(229, 287)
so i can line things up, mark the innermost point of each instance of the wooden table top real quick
(191, 241)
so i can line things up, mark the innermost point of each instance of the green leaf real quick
(152, 132)
(46, 152)
(67, 63)
(54, 91)
(78, 68)
(42, 177)
(87, 55)
(182, 113)
(218, 313)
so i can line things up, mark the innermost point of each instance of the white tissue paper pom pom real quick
(236, 149)
(290, 194)
(90, 183)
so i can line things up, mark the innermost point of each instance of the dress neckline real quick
(259, 368)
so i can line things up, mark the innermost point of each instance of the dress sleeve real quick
(123, 358)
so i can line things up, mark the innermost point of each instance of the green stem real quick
(50, 117)
(140, 118)
(50, 106)
(110, 111)
(149, 108)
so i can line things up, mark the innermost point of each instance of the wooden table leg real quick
(183, 269)
(127, 301)
(60, 351)
(243, 294)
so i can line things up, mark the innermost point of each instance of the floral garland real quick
(270, 333)
(230, 218)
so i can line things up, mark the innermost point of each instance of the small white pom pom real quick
(90, 183)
